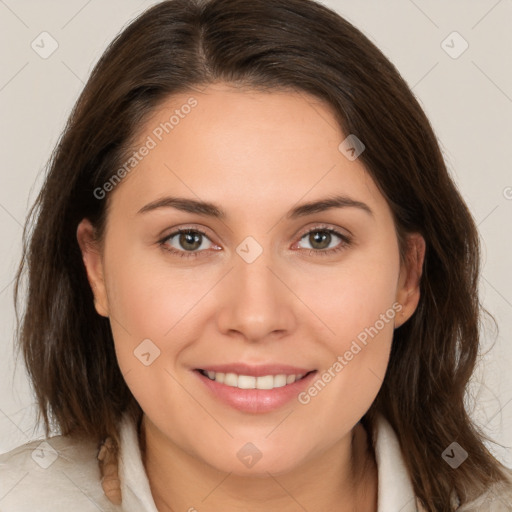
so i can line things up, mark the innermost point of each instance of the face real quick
(257, 285)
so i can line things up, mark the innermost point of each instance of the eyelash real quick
(345, 242)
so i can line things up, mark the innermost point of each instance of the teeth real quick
(251, 382)
(246, 382)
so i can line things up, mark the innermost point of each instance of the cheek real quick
(149, 326)
(150, 295)
(359, 309)
(143, 308)
(156, 312)
(352, 296)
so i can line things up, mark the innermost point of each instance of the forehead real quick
(246, 148)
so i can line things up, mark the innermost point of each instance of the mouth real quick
(265, 392)
(263, 382)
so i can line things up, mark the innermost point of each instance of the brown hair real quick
(296, 45)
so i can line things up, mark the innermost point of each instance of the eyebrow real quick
(212, 210)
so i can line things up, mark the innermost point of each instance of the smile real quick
(263, 393)
(250, 382)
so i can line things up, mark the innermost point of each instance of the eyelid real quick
(183, 229)
(327, 227)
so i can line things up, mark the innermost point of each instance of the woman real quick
(193, 352)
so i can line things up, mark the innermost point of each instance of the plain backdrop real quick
(463, 80)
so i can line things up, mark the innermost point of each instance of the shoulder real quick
(58, 474)
(497, 498)
(393, 475)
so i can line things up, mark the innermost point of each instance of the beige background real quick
(468, 100)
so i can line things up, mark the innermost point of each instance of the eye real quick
(320, 238)
(187, 242)
(193, 242)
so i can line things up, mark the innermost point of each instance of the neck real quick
(179, 481)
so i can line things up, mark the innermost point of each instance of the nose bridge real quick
(258, 302)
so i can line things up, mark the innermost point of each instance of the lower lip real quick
(256, 400)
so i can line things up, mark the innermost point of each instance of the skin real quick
(256, 155)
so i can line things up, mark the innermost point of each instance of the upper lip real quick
(256, 370)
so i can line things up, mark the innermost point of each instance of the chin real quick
(250, 461)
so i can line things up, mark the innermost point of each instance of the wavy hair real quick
(266, 45)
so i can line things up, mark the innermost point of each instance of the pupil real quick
(190, 238)
(320, 236)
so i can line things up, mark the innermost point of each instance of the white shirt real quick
(60, 474)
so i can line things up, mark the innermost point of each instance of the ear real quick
(408, 291)
(92, 258)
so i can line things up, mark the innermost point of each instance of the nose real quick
(257, 303)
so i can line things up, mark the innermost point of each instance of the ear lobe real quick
(411, 270)
(91, 256)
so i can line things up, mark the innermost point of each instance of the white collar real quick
(395, 490)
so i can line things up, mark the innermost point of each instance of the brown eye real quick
(320, 240)
(190, 240)
(187, 243)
